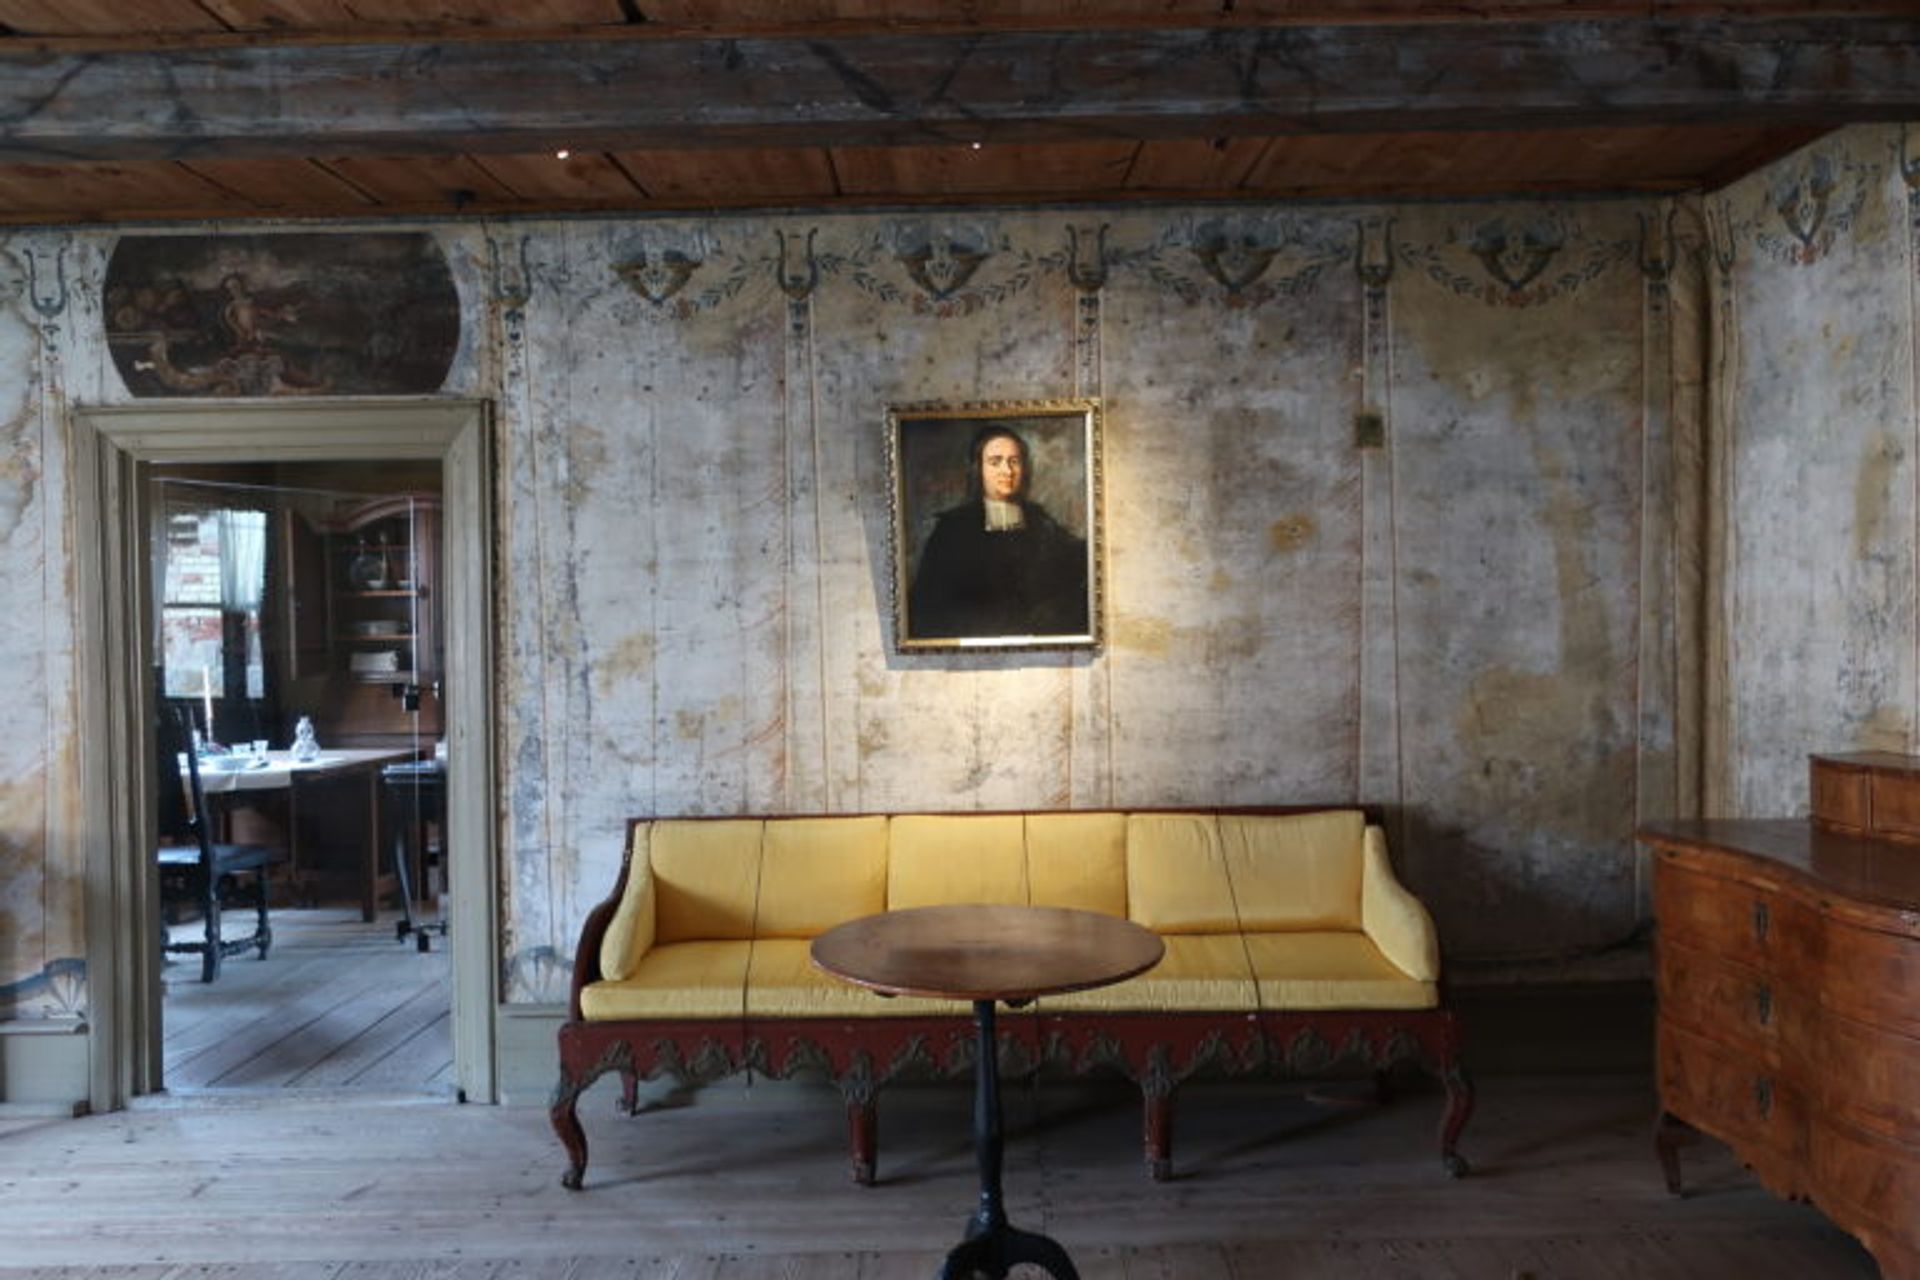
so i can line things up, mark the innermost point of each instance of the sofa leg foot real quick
(564, 1116)
(1159, 1126)
(1459, 1110)
(863, 1136)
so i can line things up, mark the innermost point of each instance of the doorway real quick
(116, 451)
(298, 652)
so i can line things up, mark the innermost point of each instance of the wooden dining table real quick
(989, 954)
(329, 856)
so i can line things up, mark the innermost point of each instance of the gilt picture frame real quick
(996, 525)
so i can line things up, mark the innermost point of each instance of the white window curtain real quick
(243, 560)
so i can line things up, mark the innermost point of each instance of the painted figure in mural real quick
(998, 564)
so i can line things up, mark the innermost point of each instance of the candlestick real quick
(206, 697)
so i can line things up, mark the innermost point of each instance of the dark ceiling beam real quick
(635, 94)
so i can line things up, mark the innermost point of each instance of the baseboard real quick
(528, 1054)
(43, 1066)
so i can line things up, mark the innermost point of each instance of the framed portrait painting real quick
(996, 525)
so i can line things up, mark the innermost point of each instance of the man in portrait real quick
(998, 564)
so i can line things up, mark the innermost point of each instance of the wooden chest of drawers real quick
(1788, 973)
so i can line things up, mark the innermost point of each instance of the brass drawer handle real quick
(1762, 919)
(1763, 1096)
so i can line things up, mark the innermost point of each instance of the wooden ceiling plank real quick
(1195, 163)
(346, 15)
(787, 176)
(276, 184)
(897, 89)
(456, 181)
(105, 17)
(765, 16)
(581, 175)
(1058, 170)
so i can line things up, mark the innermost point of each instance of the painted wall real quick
(1388, 515)
(1815, 268)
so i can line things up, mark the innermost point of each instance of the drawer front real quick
(1870, 1077)
(1869, 1186)
(1739, 1100)
(1747, 923)
(1895, 803)
(1732, 1003)
(1872, 976)
(1840, 795)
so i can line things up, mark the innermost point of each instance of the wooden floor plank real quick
(339, 1003)
(749, 1183)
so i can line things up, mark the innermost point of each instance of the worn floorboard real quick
(338, 1003)
(747, 1181)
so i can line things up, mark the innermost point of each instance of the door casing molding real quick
(113, 446)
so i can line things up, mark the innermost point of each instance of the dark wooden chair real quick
(196, 871)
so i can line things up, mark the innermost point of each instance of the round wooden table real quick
(985, 954)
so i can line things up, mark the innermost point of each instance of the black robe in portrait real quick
(1010, 582)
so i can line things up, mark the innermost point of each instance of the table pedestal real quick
(993, 1246)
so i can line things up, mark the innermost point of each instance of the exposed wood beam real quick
(890, 89)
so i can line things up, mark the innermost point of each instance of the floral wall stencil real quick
(935, 268)
(1809, 205)
(1515, 260)
(681, 273)
(1245, 260)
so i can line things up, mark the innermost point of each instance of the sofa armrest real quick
(1396, 921)
(621, 928)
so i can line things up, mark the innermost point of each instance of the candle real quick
(206, 697)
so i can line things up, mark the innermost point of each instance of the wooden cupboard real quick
(1788, 980)
(365, 647)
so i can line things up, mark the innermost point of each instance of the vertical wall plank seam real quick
(1908, 169)
(821, 645)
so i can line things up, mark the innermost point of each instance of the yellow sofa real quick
(1290, 945)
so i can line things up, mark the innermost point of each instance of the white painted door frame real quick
(112, 449)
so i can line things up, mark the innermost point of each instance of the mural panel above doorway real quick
(311, 314)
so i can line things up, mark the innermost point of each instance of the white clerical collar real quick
(1004, 515)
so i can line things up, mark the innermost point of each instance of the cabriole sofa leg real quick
(563, 1114)
(1459, 1111)
(1159, 1131)
(862, 1138)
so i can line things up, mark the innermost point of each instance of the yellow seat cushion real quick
(782, 982)
(675, 980)
(706, 875)
(939, 858)
(1294, 870)
(820, 872)
(1199, 971)
(1078, 860)
(1336, 969)
(1176, 874)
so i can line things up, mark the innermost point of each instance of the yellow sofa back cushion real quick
(1078, 860)
(1295, 870)
(1177, 875)
(820, 872)
(938, 858)
(706, 876)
